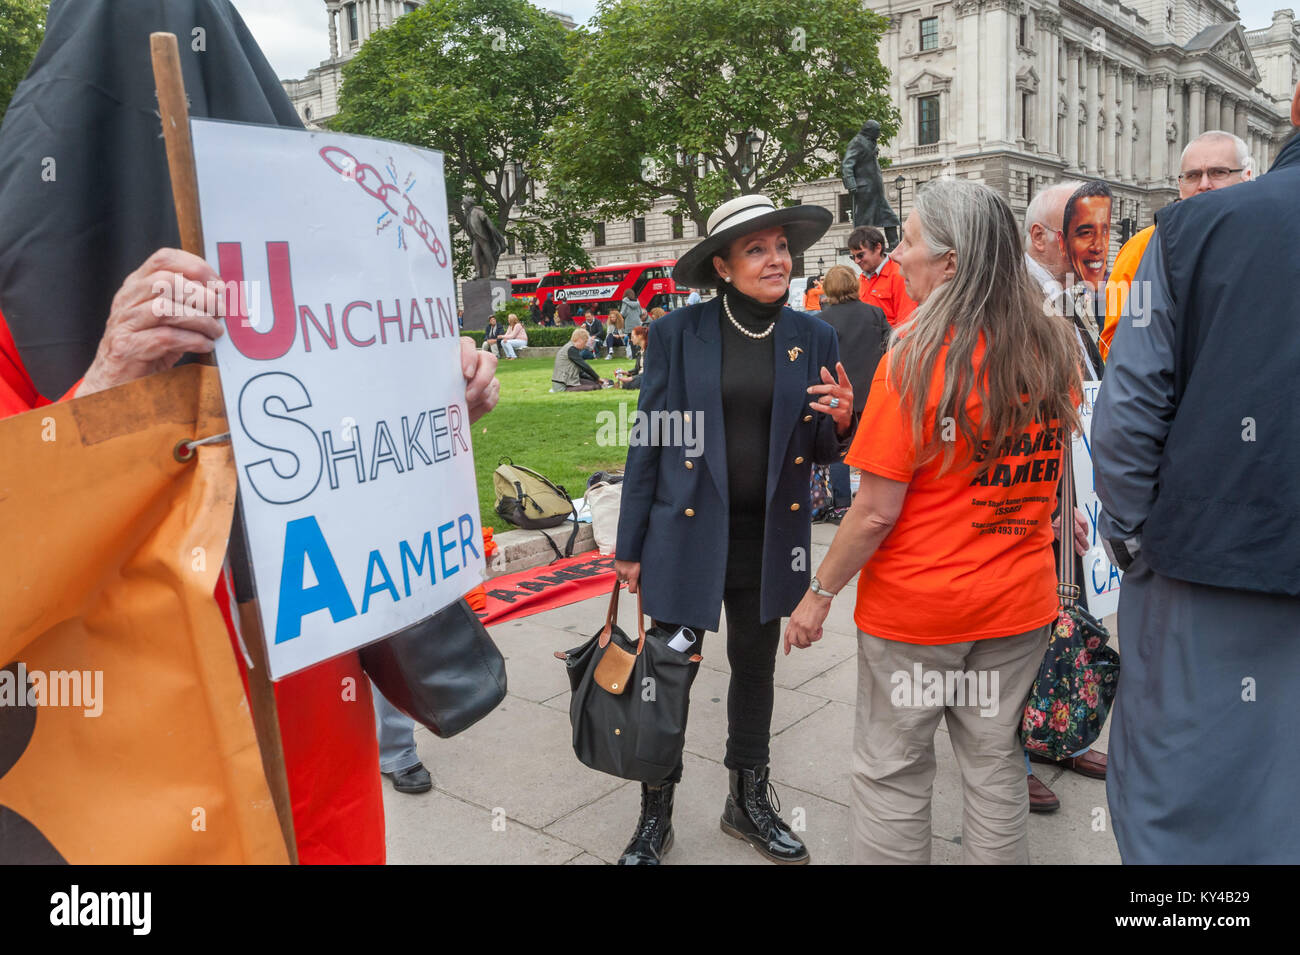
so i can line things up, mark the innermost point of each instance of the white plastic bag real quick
(604, 499)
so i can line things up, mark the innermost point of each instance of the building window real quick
(598, 234)
(796, 265)
(638, 229)
(1025, 107)
(929, 33)
(1024, 31)
(410, 7)
(510, 244)
(700, 231)
(927, 120)
(1029, 189)
(354, 34)
(846, 208)
(306, 113)
(677, 227)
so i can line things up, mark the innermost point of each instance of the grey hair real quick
(1218, 135)
(1036, 214)
(1030, 366)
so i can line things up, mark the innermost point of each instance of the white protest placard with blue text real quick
(1101, 578)
(342, 377)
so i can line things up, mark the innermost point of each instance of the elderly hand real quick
(163, 310)
(830, 389)
(482, 389)
(805, 625)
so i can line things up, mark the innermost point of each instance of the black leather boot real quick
(654, 830)
(749, 816)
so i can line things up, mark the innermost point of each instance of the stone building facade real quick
(1017, 94)
(1020, 94)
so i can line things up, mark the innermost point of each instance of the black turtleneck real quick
(747, 384)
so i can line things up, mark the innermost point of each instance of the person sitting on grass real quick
(515, 338)
(616, 336)
(571, 371)
(632, 379)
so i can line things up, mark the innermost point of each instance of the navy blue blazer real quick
(674, 512)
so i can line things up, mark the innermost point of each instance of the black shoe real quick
(413, 780)
(749, 816)
(654, 830)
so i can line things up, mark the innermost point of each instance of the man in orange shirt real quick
(1212, 160)
(881, 284)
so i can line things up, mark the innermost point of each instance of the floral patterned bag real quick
(1079, 675)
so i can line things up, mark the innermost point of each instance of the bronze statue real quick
(861, 172)
(488, 241)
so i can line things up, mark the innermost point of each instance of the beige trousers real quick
(979, 688)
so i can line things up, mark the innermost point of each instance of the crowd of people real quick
(949, 372)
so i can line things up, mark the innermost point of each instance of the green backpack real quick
(529, 500)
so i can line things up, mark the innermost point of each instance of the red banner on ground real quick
(545, 588)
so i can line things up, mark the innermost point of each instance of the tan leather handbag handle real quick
(612, 617)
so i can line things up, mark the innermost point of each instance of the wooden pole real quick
(174, 109)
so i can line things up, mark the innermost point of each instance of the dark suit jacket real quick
(674, 511)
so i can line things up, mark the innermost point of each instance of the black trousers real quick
(751, 652)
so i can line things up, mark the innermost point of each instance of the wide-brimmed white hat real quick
(738, 217)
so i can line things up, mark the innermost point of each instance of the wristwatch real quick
(816, 587)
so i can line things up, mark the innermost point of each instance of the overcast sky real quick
(294, 34)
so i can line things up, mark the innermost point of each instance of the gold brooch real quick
(795, 352)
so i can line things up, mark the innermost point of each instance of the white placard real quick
(1101, 578)
(342, 379)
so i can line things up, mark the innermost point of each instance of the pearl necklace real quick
(726, 307)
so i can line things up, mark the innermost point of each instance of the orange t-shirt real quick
(812, 300)
(886, 290)
(1118, 283)
(969, 558)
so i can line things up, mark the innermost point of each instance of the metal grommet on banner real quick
(184, 450)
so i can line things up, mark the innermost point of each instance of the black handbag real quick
(1079, 674)
(630, 699)
(444, 672)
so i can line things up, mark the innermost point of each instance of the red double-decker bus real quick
(603, 288)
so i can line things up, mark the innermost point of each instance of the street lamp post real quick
(898, 184)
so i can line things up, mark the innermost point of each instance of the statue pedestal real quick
(482, 297)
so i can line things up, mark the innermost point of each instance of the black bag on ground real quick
(630, 699)
(444, 672)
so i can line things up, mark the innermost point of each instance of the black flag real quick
(84, 191)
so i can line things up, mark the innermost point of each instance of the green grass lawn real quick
(555, 434)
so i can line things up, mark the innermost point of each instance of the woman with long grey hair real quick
(960, 452)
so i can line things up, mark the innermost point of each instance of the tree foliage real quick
(662, 89)
(482, 81)
(22, 27)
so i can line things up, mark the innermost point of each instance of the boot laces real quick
(766, 805)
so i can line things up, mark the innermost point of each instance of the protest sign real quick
(1101, 578)
(342, 378)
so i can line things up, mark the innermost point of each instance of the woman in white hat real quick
(715, 508)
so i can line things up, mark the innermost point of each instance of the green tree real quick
(702, 100)
(482, 81)
(22, 26)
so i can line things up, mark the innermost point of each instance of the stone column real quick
(1159, 120)
(1000, 59)
(1091, 99)
(1109, 120)
(1071, 105)
(968, 67)
(333, 14)
(1240, 116)
(1213, 101)
(1196, 111)
(1228, 113)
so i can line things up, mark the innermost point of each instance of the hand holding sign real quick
(164, 309)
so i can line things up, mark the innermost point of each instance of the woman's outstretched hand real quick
(830, 388)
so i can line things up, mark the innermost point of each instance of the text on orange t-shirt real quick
(970, 557)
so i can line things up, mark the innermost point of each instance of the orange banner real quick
(125, 735)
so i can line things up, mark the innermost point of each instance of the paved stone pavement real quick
(510, 790)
